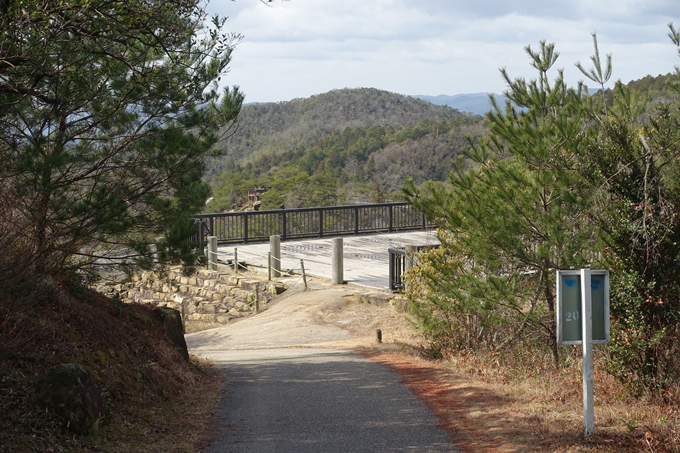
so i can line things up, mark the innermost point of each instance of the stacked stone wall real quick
(208, 296)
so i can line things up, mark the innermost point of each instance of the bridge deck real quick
(366, 259)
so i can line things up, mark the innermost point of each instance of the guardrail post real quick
(397, 264)
(275, 251)
(269, 265)
(201, 234)
(245, 228)
(356, 220)
(320, 223)
(284, 225)
(235, 259)
(391, 219)
(211, 225)
(212, 253)
(304, 275)
(393, 259)
(338, 278)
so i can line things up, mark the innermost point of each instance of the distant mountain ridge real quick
(476, 103)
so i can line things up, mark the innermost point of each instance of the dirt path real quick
(477, 416)
(324, 316)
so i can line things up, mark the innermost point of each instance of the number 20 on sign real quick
(569, 307)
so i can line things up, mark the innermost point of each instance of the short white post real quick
(275, 250)
(338, 278)
(587, 343)
(212, 252)
(235, 259)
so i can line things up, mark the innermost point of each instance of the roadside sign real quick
(583, 318)
(569, 307)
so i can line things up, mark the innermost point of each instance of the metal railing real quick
(274, 264)
(328, 221)
(402, 260)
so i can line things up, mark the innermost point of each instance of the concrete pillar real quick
(212, 253)
(338, 278)
(275, 250)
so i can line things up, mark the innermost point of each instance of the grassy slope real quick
(154, 400)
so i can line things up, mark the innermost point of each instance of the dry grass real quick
(490, 403)
(489, 407)
(178, 425)
(155, 401)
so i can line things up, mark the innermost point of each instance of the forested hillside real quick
(353, 145)
(655, 90)
(343, 146)
(282, 126)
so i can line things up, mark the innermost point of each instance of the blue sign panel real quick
(569, 307)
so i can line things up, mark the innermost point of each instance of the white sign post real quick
(583, 318)
(587, 329)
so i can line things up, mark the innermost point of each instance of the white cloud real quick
(302, 47)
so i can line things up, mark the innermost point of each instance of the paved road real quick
(288, 393)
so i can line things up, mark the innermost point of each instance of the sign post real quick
(583, 318)
(587, 349)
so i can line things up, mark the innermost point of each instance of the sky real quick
(299, 48)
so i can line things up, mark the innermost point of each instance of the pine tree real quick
(512, 213)
(107, 110)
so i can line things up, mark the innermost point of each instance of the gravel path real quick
(291, 388)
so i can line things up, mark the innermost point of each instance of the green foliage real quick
(563, 181)
(513, 210)
(637, 168)
(107, 111)
(274, 128)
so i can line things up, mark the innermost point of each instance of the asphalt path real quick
(290, 390)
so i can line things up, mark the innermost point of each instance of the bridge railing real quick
(399, 263)
(328, 221)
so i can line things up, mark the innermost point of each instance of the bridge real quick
(369, 232)
(302, 223)
(366, 258)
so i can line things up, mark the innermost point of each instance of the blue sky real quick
(298, 48)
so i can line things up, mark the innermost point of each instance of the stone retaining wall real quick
(208, 296)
